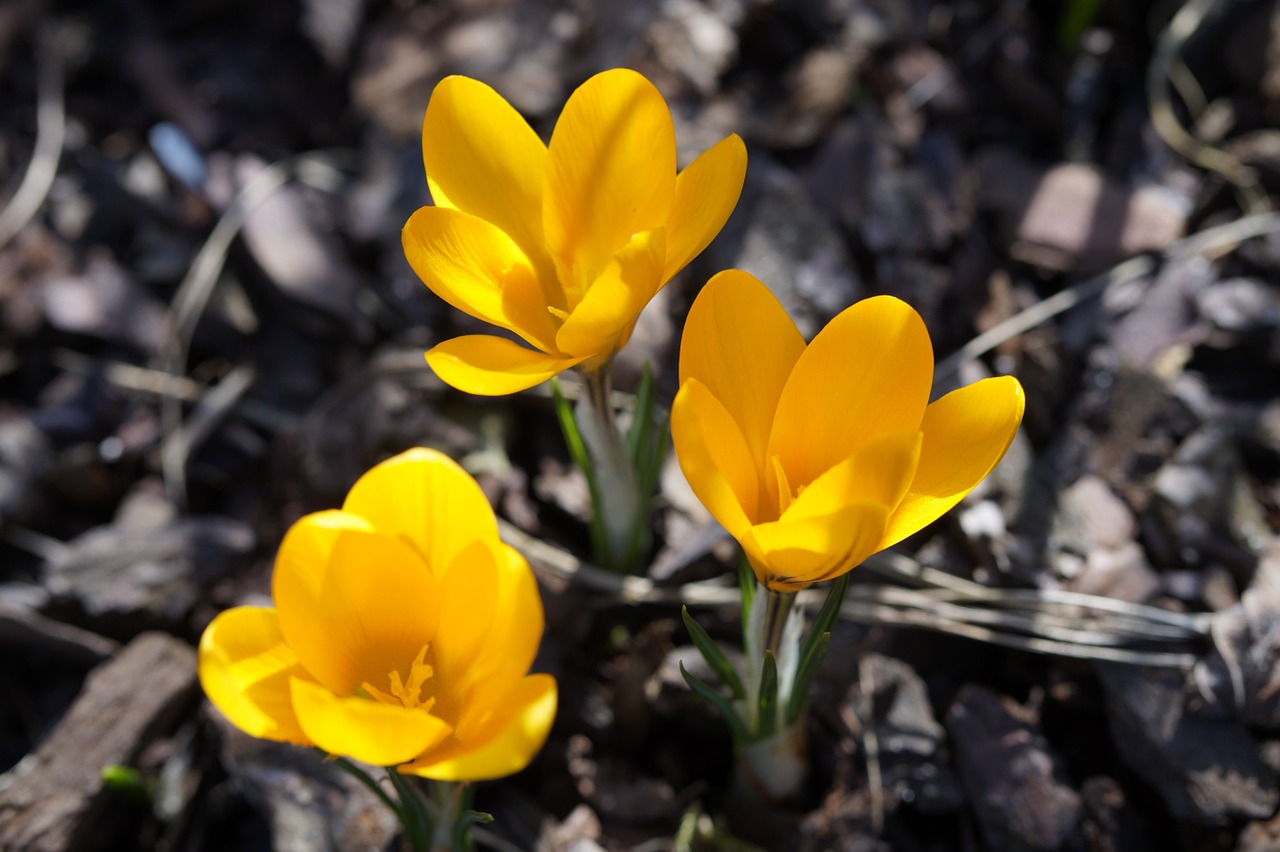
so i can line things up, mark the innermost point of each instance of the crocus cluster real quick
(403, 629)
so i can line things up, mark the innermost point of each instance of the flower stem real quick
(777, 609)
(412, 812)
(448, 800)
(618, 505)
(773, 763)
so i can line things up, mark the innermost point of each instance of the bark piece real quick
(119, 576)
(1015, 781)
(1207, 770)
(55, 799)
(310, 804)
(1241, 674)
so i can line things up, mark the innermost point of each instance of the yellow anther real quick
(402, 694)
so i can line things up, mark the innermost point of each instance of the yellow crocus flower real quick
(815, 457)
(402, 633)
(561, 244)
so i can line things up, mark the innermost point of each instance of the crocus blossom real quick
(561, 244)
(402, 633)
(814, 457)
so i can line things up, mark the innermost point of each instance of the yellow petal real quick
(379, 734)
(706, 193)
(493, 366)
(714, 457)
(299, 583)
(602, 321)
(880, 473)
(798, 553)
(508, 647)
(512, 737)
(478, 269)
(611, 172)
(740, 343)
(483, 158)
(868, 372)
(373, 610)
(245, 667)
(425, 498)
(469, 588)
(966, 433)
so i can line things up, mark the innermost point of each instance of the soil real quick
(208, 329)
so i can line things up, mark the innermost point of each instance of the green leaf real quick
(578, 452)
(413, 814)
(825, 620)
(649, 468)
(1076, 17)
(713, 655)
(737, 729)
(461, 833)
(767, 719)
(815, 647)
(363, 777)
(127, 780)
(569, 426)
(638, 435)
(808, 667)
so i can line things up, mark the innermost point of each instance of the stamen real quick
(784, 487)
(402, 694)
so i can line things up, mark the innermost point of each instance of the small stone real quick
(1069, 217)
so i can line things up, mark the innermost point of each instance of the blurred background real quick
(207, 329)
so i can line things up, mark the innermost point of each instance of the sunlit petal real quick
(513, 735)
(706, 193)
(880, 473)
(740, 343)
(797, 553)
(867, 372)
(508, 647)
(492, 366)
(374, 733)
(377, 607)
(298, 585)
(601, 322)
(966, 433)
(471, 587)
(480, 270)
(245, 667)
(425, 498)
(483, 158)
(714, 457)
(610, 173)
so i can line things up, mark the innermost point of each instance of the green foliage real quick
(713, 655)
(737, 728)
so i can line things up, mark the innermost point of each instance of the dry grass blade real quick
(1066, 624)
(51, 133)
(1212, 242)
(213, 408)
(196, 288)
(1165, 66)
